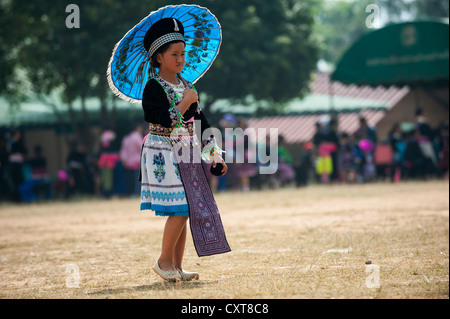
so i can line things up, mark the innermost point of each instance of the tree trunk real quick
(113, 115)
(103, 113)
(87, 133)
(73, 121)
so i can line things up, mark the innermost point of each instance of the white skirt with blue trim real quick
(162, 189)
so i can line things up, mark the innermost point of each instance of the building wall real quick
(54, 148)
(404, 110)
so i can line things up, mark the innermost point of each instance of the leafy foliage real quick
(267, 50)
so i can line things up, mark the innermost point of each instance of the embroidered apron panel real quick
(162, 190)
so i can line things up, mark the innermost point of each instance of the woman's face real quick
(173, 59)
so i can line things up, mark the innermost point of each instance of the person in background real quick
(4, 181)
(61, 187)
(415, 160)
(346, 159)
(326, 143)
(16, 159)
(425, 139)
(365, 157)
(130, 156)
(318, 136)
(365, 131)
(39, 173)
(444, 150)
(286, 172)
(305, 165)
(398, 144)
(38, 164)
(333, 137)
(109, 157)
(222, 183)
(245, 165)
(317, 140)
(78, 170)
(266, 180)
(37, 184)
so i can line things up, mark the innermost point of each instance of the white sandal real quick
(187, 275)
(169, 275)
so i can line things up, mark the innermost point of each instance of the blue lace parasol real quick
(128, 69)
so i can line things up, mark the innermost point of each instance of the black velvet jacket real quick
(157, 107)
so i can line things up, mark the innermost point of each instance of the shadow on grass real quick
(154, 286)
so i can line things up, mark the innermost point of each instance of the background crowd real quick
(113, 170)
(417, 152)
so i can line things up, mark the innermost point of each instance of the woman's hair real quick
(162, 50)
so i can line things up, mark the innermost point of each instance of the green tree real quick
(432, 8)
(341, 23)
(6, 67)
(268, 50)
(11, 27)
(400, 10)
(72, 61)
(53, 56)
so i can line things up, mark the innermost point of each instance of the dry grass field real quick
(315, 242)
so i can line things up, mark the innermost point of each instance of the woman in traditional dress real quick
(174, 184)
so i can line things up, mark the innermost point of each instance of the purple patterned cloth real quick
(204, 218)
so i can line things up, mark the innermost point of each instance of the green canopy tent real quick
(412, 53)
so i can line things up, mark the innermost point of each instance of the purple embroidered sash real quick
(204, 218)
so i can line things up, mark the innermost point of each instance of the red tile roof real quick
(321, 85)
(301, 128)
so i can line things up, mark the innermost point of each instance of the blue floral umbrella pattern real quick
(128, 69)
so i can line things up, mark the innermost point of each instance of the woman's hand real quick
(218, 159)
(190, 96)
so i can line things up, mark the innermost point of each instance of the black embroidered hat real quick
(162, 32)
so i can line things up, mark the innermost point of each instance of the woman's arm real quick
(190, 97)
(155, 105)
(210, 149)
